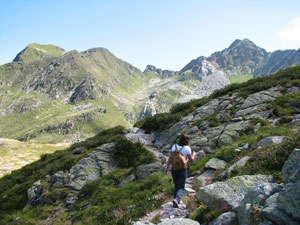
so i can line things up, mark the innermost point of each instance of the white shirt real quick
(185, 151)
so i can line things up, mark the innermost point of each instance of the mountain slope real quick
(96, 181)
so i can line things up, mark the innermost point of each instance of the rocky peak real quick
(163, 73)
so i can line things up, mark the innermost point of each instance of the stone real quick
(228, 195)
(91, 167)
(170, 212)
(245, 146)
(253, 201)
(233, 130)
(34, 192)
(127, 180)
(242, 162)
(291, 167)
(205, 178)
(178, 221)
(207, 109)
(228, 218)
(138, 135)
(272, 213)
(77, 151)
(289, 199)
(215, 163)
(261, 97)
(292, 90)
(270, 141)
(295, 120)
(144, 170)
(58, 180)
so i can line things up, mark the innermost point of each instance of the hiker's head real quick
(183, 140)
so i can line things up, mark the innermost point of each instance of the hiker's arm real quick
(192, 156)
(168, 164)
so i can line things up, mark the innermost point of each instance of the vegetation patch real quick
(129, 154)
(113, 205)
(13, 187)
(240, 78)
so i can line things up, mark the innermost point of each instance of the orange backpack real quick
(178, 160)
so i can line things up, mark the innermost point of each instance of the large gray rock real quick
(253, 201)
(261, 97)
(270, 141)
(228, 195)
(242, 162)
(34, 192)
(289, 200)
(233, 130)
(205, 178)
(291, 168)
(272, 213)
(138, 135)
(215, 163)
(178, 221)
(91, 167)
(228, 218)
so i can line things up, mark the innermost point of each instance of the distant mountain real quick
(241, 57)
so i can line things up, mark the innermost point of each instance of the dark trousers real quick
(179, 178)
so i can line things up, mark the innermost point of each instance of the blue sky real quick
(164, 33)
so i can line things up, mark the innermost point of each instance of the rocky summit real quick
(48, 95)
(246, 137)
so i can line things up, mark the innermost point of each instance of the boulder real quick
(253, 201)
(242, 162)
(295, 120)
(215, 163)
(233, 130)
(178, 221)
(34, 192)
(291, 168)
(261, 97)
(292, 90)
(272, 213)
(138, 135)
(206, 177)
(228, 218)
(270, 141)
(91, 167)
(289, 200)
(144, 170)
(228, 195)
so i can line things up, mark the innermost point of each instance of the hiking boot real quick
(175, 203)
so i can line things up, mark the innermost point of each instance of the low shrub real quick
(129, 154)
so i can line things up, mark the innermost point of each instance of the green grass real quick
(34, 52)
(240, 78)
(119, 205)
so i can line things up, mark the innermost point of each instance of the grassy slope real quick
(240, 78)
(35, 51)
(15, 154)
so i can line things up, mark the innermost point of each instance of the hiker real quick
(178, 158)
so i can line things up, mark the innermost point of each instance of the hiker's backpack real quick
(178, 160)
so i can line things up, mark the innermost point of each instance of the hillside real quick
(49, 96)
(246, 137)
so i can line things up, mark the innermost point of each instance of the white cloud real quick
(291, 34)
